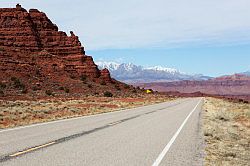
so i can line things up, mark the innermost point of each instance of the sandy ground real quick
(226, 127)
(20, 112)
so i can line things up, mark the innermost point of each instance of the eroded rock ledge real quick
(34, 50)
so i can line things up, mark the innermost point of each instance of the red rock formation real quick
(236, 77)
(34, 51)
(32, 32)
(235, 85)
(105, 75)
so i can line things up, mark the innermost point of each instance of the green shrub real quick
(13, 79)
(72, 77)
(35, 88)
(108, 94)
(103, 83)
(83, 77)
(38, 72)
(2, 85)
(134, 91)
(61, 88)
(17, 83)
(117, 87)
(66, 90)
(1, 93)
(126, 86)
(48, 92)
(24, 91)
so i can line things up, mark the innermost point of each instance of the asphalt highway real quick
(162, 134)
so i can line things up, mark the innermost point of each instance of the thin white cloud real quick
(148, 23)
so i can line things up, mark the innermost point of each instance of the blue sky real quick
(209, 37)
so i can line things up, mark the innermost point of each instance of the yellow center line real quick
(44, 145)
(31, 149)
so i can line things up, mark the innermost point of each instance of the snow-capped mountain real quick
(131, 73)
(108, 65)
(166, 69)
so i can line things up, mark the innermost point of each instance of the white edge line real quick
(167, 147)
(81, 117)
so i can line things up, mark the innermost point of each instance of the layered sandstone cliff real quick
(35, 54)
(228, 85)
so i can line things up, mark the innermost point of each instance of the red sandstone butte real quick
(35, 56)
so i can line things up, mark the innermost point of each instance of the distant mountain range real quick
(247, 73)
(131, 73)
(172, 81)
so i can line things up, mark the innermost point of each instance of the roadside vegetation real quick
(20, 112)
(226, 126)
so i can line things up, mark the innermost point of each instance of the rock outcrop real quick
(235, 85)
(38, 55)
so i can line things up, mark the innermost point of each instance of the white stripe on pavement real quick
(167, 147)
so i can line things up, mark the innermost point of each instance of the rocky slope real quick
(131, 73)
(234, 85)
(38, 59)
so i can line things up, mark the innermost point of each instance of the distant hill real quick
(237, 84)
(246, 73)
(131, 73)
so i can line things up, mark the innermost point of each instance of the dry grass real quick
(227, 132)
(18, 113)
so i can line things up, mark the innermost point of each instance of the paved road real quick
(161, 134)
